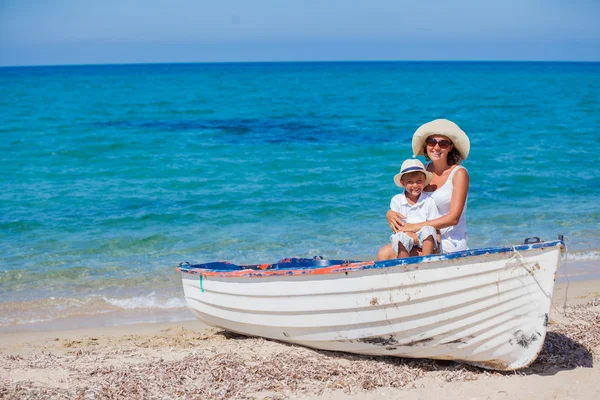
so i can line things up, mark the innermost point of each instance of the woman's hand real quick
(410, 227)
(394, 219)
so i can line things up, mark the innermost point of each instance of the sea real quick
(111, 175)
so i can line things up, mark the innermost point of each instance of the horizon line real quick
(299, 62)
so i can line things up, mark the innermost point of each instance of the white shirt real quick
(423, 210)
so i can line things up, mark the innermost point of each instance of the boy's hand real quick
(412, 235)
(394, 220)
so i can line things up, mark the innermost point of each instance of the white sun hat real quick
(442, 127)
(412, 165)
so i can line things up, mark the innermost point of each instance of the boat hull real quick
(486, 308)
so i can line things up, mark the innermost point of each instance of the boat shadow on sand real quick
(559, 353)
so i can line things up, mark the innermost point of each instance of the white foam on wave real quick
(585, 255)
(57, 308)
(150, 301)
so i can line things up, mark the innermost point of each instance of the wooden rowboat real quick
(488, 307)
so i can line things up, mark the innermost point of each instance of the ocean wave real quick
(583, 255)
(149, 301)
(57, 308)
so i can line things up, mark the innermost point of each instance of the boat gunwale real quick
(353, 266)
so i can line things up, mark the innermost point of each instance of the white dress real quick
(454, 238)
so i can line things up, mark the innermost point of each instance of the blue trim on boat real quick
(290, 264)
(468, 253)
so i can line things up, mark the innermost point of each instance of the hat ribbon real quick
(412, 169)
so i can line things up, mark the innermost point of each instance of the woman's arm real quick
(457, 205)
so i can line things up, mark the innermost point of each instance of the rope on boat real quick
(568, 280)
(525, 265)
(530, 270)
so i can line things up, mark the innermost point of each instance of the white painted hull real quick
(489, 310)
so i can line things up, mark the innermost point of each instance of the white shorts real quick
(409, 243)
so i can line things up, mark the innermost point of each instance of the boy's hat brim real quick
(412, 165)
(443, 127)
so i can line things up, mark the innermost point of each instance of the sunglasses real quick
(444, 143)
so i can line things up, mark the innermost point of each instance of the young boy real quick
(416, 207)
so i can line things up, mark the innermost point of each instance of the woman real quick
(444, 144)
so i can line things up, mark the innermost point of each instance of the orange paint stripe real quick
(252, 273)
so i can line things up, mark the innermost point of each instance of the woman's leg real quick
(386, 253)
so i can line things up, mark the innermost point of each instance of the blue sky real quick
(46, 32)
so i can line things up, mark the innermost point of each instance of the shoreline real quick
(188, 358)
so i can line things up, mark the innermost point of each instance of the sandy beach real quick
(191, 360)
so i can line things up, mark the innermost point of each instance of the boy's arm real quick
(394, 215)
(394, 204)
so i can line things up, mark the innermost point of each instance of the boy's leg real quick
(427, 238)
(402, 244)
(402, 252)
(427, 246)
(416, 250)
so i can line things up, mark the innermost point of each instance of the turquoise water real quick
(112, 175)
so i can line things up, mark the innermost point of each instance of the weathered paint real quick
(494, 364)
(380, 341)
(306, 266)
(524, 340)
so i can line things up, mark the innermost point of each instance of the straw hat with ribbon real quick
(412, 165)
(443, 127)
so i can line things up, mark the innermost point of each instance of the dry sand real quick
(189, 360)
